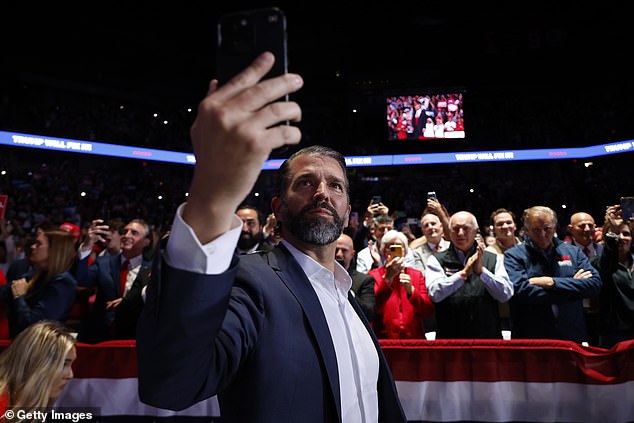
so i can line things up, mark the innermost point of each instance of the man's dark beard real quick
(246, 243)
(313, 229)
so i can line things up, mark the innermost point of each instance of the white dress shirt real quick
(357, 358)
(441, 285)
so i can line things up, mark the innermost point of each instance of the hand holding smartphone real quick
(627, 208)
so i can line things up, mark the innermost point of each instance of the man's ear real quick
(276, 205)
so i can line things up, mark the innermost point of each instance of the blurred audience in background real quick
(48, 189)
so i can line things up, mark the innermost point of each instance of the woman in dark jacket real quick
(616, 267)
(50, 293)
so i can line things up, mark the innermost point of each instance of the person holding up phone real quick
(627, 208)
(616, 269)
(218, 323)
(402, 302)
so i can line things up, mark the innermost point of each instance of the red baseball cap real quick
(72, 229)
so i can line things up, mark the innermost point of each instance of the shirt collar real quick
(442, 243)
(315, 271)
(462, 256)
(134, 261)
(250, 250)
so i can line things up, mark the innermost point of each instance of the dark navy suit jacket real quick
(50, 300)
(103, 275)
(255, 335)
(532, 314)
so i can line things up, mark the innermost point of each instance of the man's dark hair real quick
(283, 177)
(261, 218)
(116, 224)
(499, 211)
(383, 219)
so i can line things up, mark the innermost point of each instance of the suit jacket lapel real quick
(115, 269)
(289, 271)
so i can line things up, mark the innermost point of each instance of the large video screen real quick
(425, 116)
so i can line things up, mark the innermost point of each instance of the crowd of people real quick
(425, 116)
(533, 278)
(262, 280)
(75, 280)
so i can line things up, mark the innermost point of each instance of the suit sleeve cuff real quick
(184, 251)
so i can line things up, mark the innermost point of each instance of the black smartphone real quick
(244, 35)
(376, 199)
(431, 195)
(627, 207)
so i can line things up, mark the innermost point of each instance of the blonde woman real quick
(35, 367)
(50, 293)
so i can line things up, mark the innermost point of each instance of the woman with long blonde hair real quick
(50, 293)
(35, 367)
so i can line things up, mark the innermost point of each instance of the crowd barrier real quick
(437, 381)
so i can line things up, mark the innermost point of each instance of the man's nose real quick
(322, 190)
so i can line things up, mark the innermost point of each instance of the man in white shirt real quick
(466, 283)
(277, 336)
